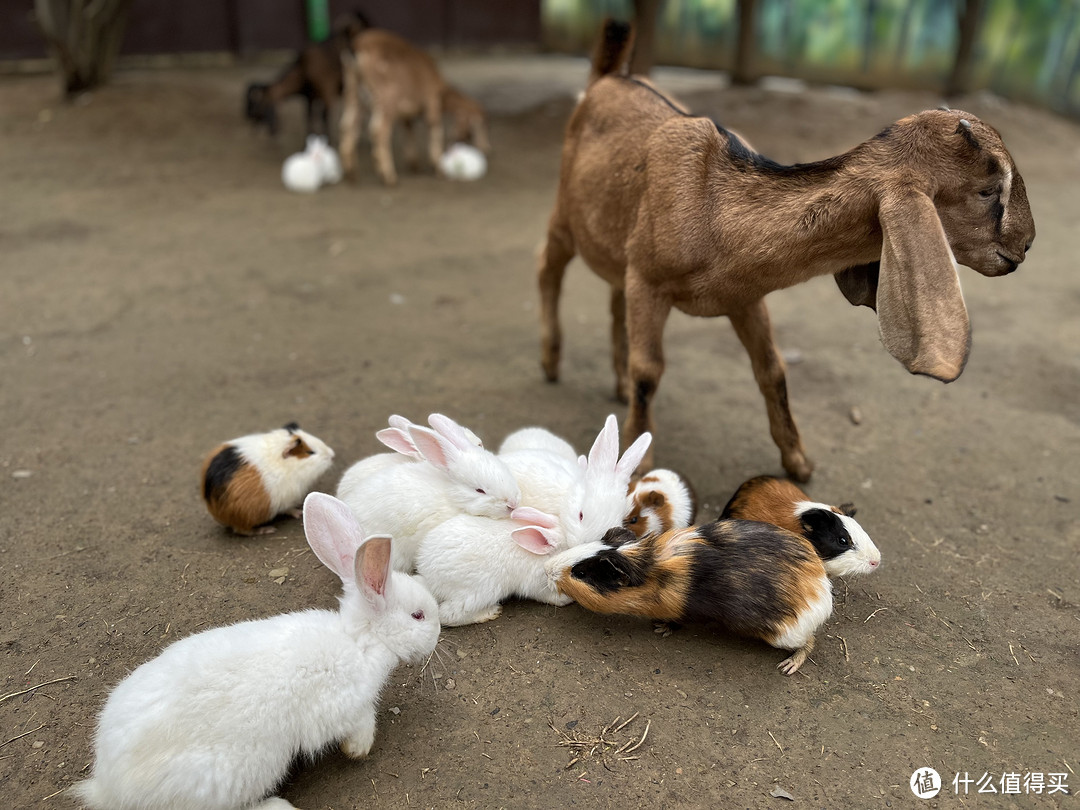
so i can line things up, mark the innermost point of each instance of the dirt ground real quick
(161, 292)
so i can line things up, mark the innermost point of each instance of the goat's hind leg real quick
(755, 331)
(554, 255)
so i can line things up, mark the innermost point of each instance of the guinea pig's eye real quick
(844, 541)
(418, 615)
(632, 521)
(481, 491)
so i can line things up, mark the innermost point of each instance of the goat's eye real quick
(418, 615)
(987, 193)
(481, 491)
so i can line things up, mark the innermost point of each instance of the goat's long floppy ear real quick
(921, 313)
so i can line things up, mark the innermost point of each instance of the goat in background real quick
(401, 83)
(673, 210)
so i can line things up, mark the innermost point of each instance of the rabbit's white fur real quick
(471, 564)
(407, 499)
(537, 438)
(214, 722)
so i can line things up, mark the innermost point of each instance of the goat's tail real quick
(613, 49)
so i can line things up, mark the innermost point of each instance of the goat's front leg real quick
(381, 129)
(646, 314)
(412, 154)
(555, 254)
(619, 348)
(436, 136)
(755, 331)
(349, 125)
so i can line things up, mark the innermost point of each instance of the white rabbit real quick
(589, 495)
(214, 722)
(471, 564)
(537, 438)
(407, 499)
(300, 172)
(325, 158)
(463, 161)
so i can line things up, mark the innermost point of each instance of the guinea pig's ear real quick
(847, 509)
(618, 536)
(921, 313)
(297, 448)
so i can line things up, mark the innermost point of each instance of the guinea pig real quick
(249, 481)
(843, 545)
(756, 579)
(658, 501)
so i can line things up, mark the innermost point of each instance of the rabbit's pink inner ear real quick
(372, 564)
(397, 440)
(432, 447)
(605, 450)
(633, 455)
(451, 431)
(528, 514)
(535, 539)
(332, 531)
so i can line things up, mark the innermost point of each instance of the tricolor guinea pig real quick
(249, 481)
(756, 579)
(658, 501)
(843, 545)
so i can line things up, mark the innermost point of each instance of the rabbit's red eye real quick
(580, 516)
(418, 615)
(481, 491)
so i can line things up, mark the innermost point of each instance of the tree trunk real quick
(84, 37)
(645, 14)
(959, 80)
(743, 73)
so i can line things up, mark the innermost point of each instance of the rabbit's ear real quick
(536, 539)
(528, 514)
(432, 447)
(371, 567)
(604, 453)
(633, 455)
(333, 533)
(461, 437)
(398, 440)
(921, 313)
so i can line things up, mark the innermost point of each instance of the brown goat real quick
(674, 211)
(402, 84)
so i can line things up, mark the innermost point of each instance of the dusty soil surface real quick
(161, 292)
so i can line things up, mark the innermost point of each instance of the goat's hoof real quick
(551, 370)
(799, 468)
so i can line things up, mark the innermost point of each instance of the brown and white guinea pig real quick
(658, 501)
(756, 579)
(249, 481)
(843, 545)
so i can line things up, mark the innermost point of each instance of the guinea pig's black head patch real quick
(610, 569)
(826, 531)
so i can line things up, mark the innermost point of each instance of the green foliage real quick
(1025, 48)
